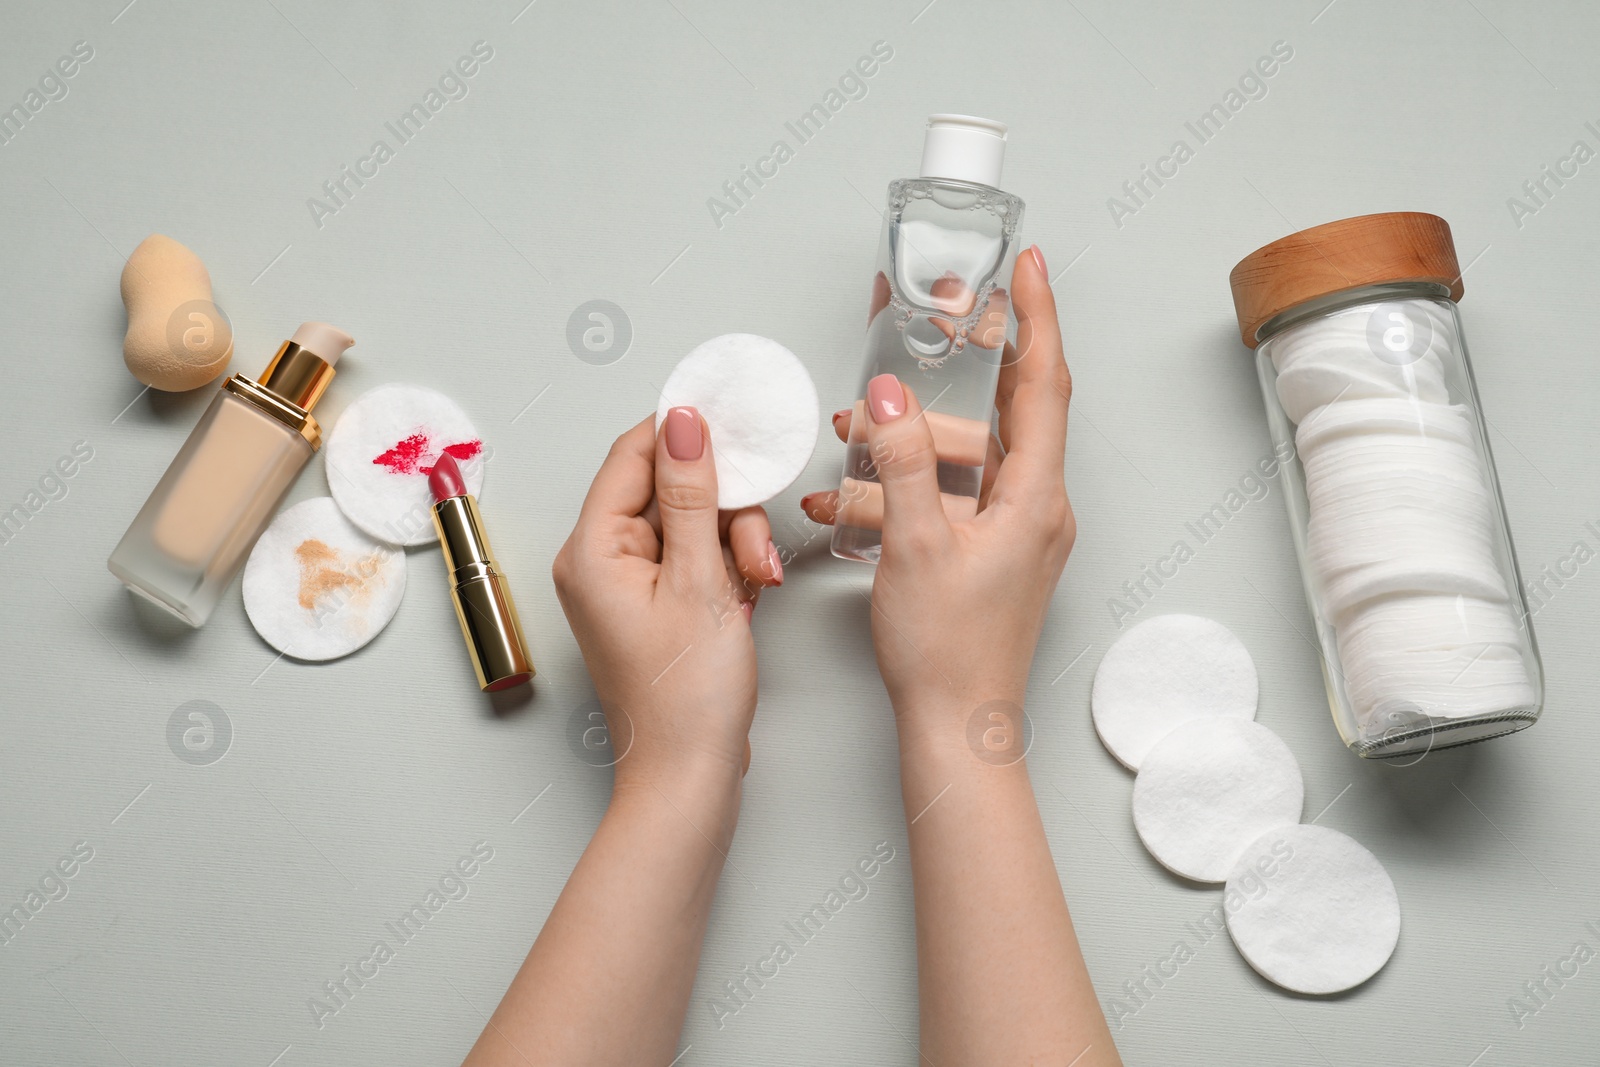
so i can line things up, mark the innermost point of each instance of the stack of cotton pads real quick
(1218, 798)
(1401, 523)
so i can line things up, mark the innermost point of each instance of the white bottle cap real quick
(964, 148)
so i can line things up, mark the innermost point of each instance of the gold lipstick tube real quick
(484, 607)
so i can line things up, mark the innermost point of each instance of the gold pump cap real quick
(296, 378)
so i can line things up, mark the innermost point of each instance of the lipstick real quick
(483, 602)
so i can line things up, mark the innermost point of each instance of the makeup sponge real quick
(761, 406)
(1163, 673)
(1210, 788)
(381, 451)
(1328, 917)
(177, 338)
(316, 588)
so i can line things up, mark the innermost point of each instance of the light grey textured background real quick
(221, 897)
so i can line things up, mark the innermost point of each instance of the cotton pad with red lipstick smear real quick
(382, 450)
(761, 406)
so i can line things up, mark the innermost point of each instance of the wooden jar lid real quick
(1397, 246)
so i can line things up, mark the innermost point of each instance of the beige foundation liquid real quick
(192, 536)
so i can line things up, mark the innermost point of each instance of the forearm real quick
(609, 977)
(1002, 979)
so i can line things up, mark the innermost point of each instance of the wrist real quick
(678, 828)
(985, 729)
(657, 743)
(696, 784)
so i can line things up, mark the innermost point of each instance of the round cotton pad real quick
(1164, 672)
(381, 450)
(761, 406)
(317, 588)
(1210, 788)
(1317, 913)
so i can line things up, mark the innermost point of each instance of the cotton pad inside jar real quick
(761, 406)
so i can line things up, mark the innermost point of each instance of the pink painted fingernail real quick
(813, 502)
(885, 398)
(1038, 259)
(841, 413)
(683, 434)
(748, 607)
(775, 564)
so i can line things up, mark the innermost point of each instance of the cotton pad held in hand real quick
(1210, 788)
(1164, 672)
(761, 406)
(1317, 913)
(381, 450)
(317, 588)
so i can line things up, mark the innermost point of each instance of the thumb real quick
(900, 445)
(686, 493)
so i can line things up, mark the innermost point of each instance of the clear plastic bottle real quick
(1398, 521)
(193, 534)
(940, 318)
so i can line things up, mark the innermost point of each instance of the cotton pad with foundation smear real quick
(381, 451)
(1163, 673)
(316, 588)
(761, 407)
(1210, 788)
(1318, 912)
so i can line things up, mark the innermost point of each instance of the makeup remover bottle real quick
(193, 534)
(939, 320)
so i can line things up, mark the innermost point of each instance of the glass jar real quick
(1393, 501)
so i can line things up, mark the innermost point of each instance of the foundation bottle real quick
(193, 534)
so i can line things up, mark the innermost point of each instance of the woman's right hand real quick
(958, 606)
(957, 611)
